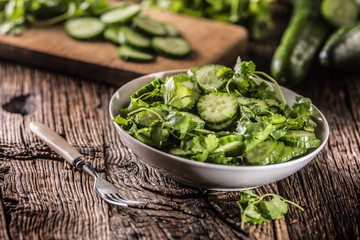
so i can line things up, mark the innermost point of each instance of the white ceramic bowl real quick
(208, 175)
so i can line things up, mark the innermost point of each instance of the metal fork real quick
(103, 188)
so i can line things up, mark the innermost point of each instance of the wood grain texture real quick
(51, 48)
(43, 197)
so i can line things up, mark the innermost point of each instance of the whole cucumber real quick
(300, 43)
(342, 49)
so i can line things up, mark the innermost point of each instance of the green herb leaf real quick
(294, 123)
(201, 146)
(302, 107)
(210, 142)
(200, 157)
(158, 133)
(119, 120)
(269, 210)
(254, 209)
(254, 132)
(136, 103)
(242, 77)
(177, 95)
(261, 91)
(277, 118)
(183, 122)
(278, 202)
(309, 125)
(225, 72)
(220, 158)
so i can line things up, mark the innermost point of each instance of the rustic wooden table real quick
(43, 197)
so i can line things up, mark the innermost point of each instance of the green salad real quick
(220, 115)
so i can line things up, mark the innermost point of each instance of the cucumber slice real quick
(149, 26)
(130, 54)
(299, 135)
(230, 138)
(110, 8)
(148, 88)
(120, 15)
(231, 145)
(278, 152)
(84, 28)
(298, 152)
(134, 39)
(216, 108)
(171, 46)
(286, 156)
(264, 153)
(171, 30)
(206, 76)
(221, 126)
(291, 153)
(111, 34)
(180, 152)
(303, 144)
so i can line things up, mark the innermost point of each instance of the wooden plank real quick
(4, 168)
(43, 197)
(51, 48)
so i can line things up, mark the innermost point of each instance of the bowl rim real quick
(296, 161)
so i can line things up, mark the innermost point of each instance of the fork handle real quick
(57, 143)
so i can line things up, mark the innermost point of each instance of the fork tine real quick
(118, 203)
(110, 198)
(119, 196)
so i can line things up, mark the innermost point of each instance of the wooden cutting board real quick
(51, 48)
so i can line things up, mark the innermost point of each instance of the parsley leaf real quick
(225, 72)
(254, 132)
(183, 122)
(309, 125)
(261, 91)
(201, 146)
(177, 94)
(277, 118)
(302, 107)
(242, 77)
(210, 142)
(220, 158)
(136, 103)
(254, 209)
(120, 120)
(158, 133)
